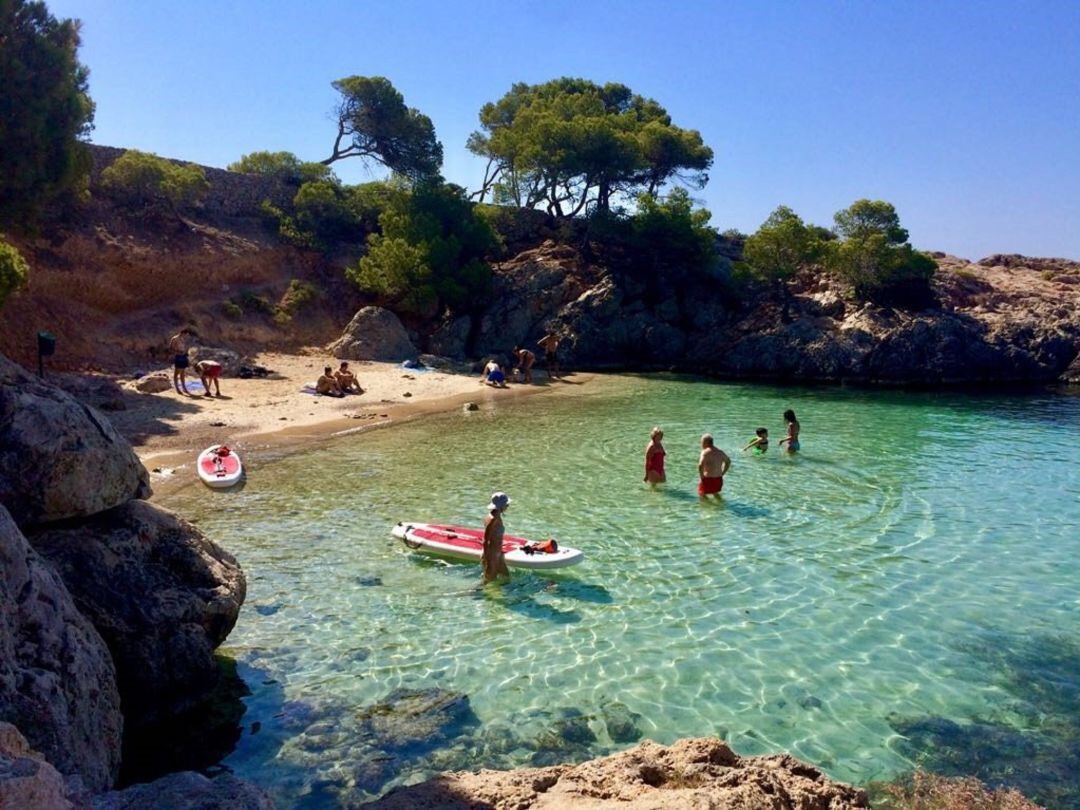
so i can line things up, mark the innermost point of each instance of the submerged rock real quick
(162, 596)
(59, 458)
(690, 774)
(415, 721)
(621, 723)
(374, 333)
(187, 789)
(26, 779)
(57, 681)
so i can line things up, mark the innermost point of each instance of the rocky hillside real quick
(112, 283)
(1005, 319)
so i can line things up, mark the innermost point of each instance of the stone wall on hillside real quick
(231, 193)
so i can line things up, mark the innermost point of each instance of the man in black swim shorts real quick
(550, 344)
(179, 345)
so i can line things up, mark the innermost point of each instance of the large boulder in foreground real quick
(690, 774)
(59, 458)
(162, 596)
(187, 789)
(57, 681)
(374, 333)
(26, 779)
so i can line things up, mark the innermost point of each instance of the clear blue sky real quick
(966, 116)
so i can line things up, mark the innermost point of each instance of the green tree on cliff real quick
(142, 179)
(874, 257)
(45, 110)
(285, 166)
(13, 270)
(778, 250)
(572, 145)
(430, 253)
(373, 122)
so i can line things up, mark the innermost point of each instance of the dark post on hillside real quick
(46, 347)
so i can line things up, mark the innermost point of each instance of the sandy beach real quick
(168, 429)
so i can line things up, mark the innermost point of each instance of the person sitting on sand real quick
(654, 458)
(346, 381)
(493, 560)
(209, 371)
(525, 360)
(550, 344)
(327, 385)
(179, 345)
(760, 444)
(792, 438)
(493, 375)
(713, 465)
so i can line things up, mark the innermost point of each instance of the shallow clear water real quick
(865, 604)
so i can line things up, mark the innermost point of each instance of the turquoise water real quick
(903, 591)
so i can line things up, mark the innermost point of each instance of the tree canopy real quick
(44, 108)
(571, 144)
(430, 253)
(144, 179)
(373, 122)
(873, 256)
(283, 165)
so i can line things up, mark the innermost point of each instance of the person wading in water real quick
(493, 561)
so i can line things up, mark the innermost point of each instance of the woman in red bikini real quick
(654, 458)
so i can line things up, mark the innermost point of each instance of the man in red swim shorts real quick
(209, 371)
(712, 467)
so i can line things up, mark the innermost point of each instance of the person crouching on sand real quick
(493, 375)
(493, 560)
(525, 359)
(346, 381)
(209, 371)
(654, 458)
(327, 385)
(712, 467)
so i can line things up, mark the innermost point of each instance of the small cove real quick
(903, 591)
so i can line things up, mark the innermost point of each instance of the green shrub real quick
(299, 295)
(140, 178)
(13, 270)
(249, 301)
(285, 166)
(232, 310)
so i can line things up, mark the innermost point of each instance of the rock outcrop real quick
(374, 333)
(691, 774)
(162, 596)
(59, 458)
(1006, 319)
(26, 779)
(57, 681)
(187, 789)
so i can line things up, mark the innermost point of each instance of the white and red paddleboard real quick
(219, 466)
(463, 543)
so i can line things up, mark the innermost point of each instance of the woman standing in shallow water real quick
(792, 437)
(493, 561)
(654, 458)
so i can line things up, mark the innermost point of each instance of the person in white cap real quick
(493, 561)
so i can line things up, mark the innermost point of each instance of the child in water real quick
(760, 444)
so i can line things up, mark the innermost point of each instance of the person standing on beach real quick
(493, 560)
(179, 345)
(713, 465)
(654, 458)
(525, 359)
(550, 344)
(793, 427)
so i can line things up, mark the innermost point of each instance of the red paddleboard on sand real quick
(464, 543)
